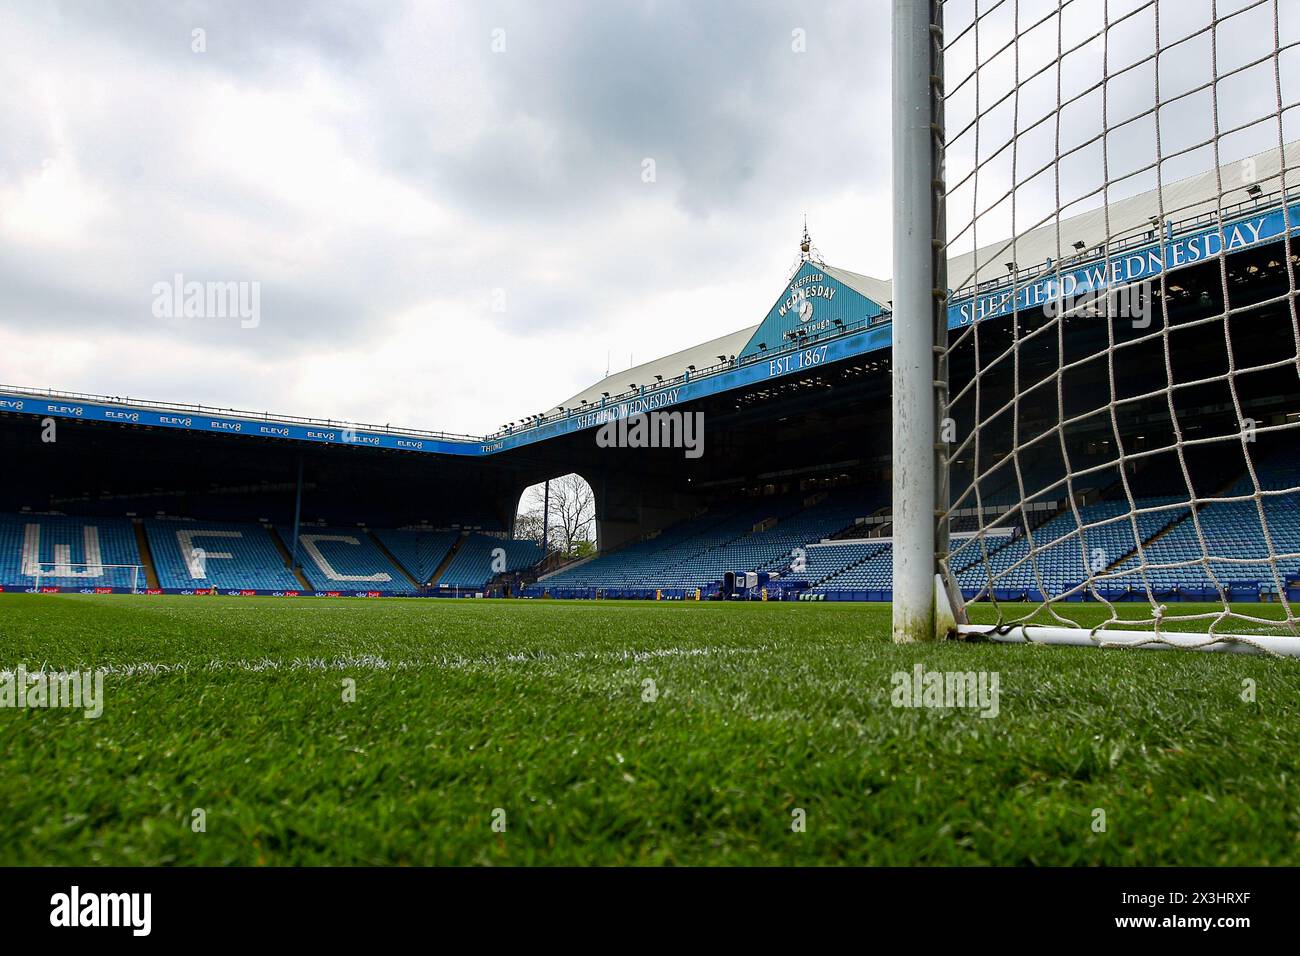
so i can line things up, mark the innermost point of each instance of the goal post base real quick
(1165, 640)
(940, 624)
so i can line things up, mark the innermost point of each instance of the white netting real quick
(1124, 360)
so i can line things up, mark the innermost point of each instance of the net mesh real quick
(1124, 350)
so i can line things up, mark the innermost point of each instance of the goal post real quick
(921, 611)
(72, 574)
(1096, 345)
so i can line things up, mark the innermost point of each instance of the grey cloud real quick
(536, 155)
(585, 92)
(243, 36)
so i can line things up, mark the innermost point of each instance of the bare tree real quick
(573, 511)
(572, 521)
(528, 523)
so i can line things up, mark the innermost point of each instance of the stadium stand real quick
(848, 555)
(472, 567)
(420, 551)
(753, 535)
(230, 555)
(346, 558)
(1153, 544)
(825, 562)
(1234, 536)
(832, 544)
(94, 543)
(193, 554)
(870, 568)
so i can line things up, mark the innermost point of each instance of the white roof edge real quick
(669, 366)
(879, 291)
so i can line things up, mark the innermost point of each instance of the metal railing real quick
(187, 409)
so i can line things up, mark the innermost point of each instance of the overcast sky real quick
(446, 234)
(445, 205)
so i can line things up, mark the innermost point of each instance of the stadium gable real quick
(816, 302)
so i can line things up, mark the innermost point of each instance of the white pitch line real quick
(377, 663)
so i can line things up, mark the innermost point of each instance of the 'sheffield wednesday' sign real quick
(1126, 268)
(634, 406)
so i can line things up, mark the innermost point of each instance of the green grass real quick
(462, 707)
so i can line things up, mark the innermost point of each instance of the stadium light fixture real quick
(690, 368)
(1011, 266)
(1254, 190)
(1080, 245)
(606, 394)
(659, 378)
(722, 358)
(762, 346)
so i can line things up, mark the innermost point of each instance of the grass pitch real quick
(465, 709)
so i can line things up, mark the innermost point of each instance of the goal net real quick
(1098, 327)
(64, 574)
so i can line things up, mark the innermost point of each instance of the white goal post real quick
(89, 575)
(1096, 345)
(919, 382)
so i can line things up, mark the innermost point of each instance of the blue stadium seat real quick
(476, 562)
(697, 552)
(336, 559)
(205, 554)
(29, 541)
(419, 551)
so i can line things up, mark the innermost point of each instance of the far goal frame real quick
(39, 572)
